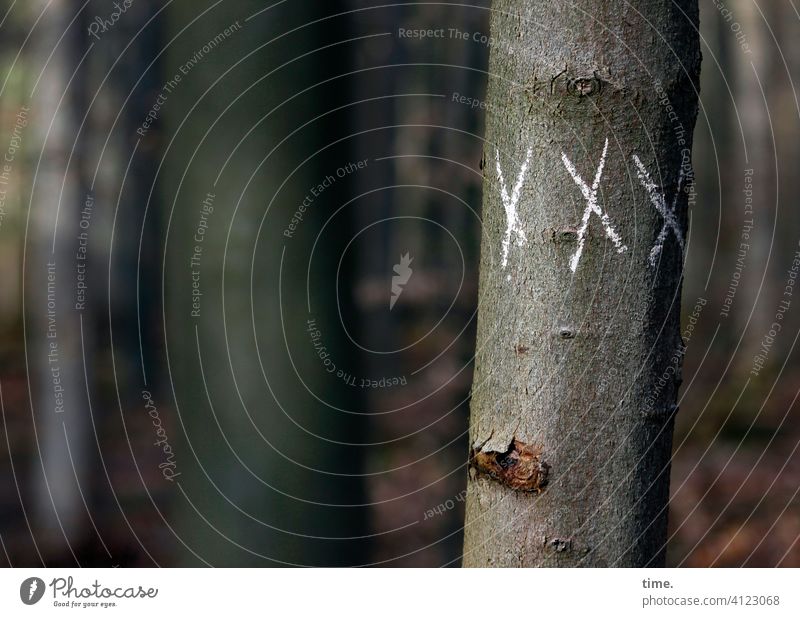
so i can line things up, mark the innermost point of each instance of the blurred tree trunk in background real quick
(266, 475)
(578, 359)
(52, 328)
(120, 321)
(87, 205)
(755, 77)
(420, 197)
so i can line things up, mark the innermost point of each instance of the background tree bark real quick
(268, 476)
(51, 327)
(577, 373)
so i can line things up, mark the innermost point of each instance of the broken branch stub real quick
(520, 468)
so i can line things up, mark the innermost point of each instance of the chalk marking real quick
(513, 224)
(658, 200)
(590, 194)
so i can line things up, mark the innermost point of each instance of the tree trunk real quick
(267, 472)
(591, 107)
(52, 328)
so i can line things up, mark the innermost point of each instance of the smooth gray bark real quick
(577, 374)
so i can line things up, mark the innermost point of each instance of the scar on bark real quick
(520, 468)
(558, 545)
(563, 235)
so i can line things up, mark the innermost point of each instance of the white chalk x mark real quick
(513, 225)
(660, 203)
(590, 194)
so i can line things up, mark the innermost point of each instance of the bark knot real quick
(560, 545)
(520, 468)
(565, 235)
(584, 86)
(566, 332)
